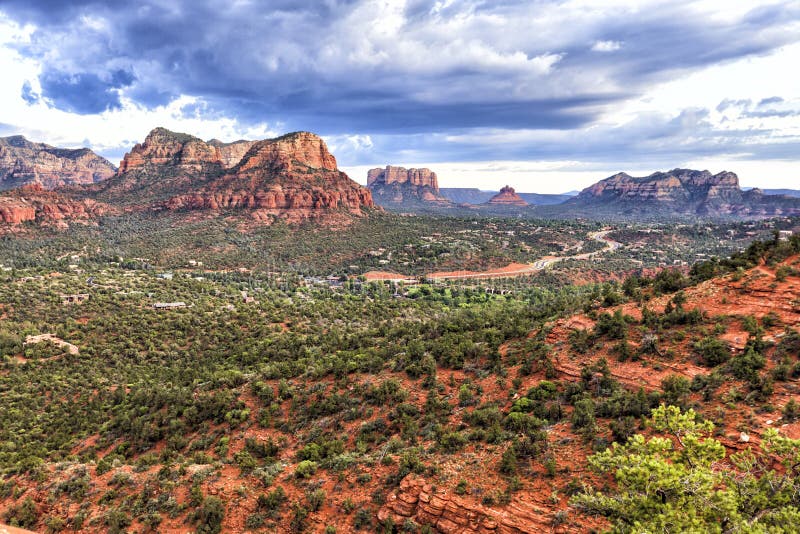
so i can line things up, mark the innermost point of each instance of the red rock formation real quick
(34, 203)
(400, 175)
(678, 185)
(23, 162)
(450, 514)
(293, 177)
(507, 197)
(162, 147)
(299, 150)
(397, 184)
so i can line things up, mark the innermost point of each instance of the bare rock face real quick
(163, 147)
(685, 191)
(35, 204)
(450, 514)
(397, 185)
(23, 162)
(507, 197)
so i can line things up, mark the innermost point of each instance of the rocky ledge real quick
(451, 514)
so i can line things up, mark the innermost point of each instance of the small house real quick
(168, 305)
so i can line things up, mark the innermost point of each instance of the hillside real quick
(24, 162)
(447, 409)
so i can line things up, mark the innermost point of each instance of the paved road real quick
(537, 265)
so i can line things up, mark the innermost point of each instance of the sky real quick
(547, 96)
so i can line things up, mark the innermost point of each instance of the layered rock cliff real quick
(23, 162)
(33, 203)
(292, 177)
(397, 185)
(391, 175)
(507, 197)
(683, 191)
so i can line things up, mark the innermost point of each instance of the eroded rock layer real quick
(34, 204)
(293, 177)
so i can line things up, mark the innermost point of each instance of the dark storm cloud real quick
(433, 68)
(28, 95)
(84, 93)
(664, 139)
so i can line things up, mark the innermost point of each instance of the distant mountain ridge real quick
(787, 192)
(23, 162)
(681, 191)
(475, 196)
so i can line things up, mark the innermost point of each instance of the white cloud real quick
(606, 46)
(110, 133)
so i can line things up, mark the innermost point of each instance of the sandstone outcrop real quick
(417, 500)
(23, 162)
(507, 197)
(395, 185)
(293, 177)
(400, 175)
(34, 204)
(678, 185)
(163, 147)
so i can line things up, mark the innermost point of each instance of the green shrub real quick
(306, 469)
(712, 351)
(210, 515)
(24, 515)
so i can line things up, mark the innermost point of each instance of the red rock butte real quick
(396, 184)
(293, 177)
(400, 175)
(507, 197)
